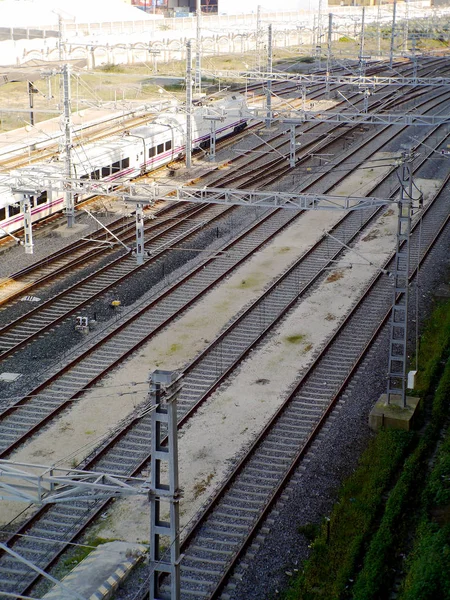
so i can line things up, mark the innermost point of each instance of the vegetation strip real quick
(359, 524)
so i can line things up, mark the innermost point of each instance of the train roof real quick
(6, 195)
(90, 154)
(148, 131)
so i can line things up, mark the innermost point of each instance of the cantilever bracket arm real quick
(106, 229)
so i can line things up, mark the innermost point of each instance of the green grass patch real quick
(433, 347)
(112, 68)
(174, 348)
(249, 282)
(364, 528)
(429, 576)
(295, 339)
(375, 577)
(174, 87)
(338, 547)
(428, 573)
(81, 552)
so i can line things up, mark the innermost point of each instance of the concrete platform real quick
(393, 415)
(100, 573)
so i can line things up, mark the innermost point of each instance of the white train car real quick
(136, 152)
(43, 205)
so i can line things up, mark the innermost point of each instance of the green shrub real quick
(429, 574)
(112, 68)
(333, 561)
(329, 571)
(374, 579)
(434, 346)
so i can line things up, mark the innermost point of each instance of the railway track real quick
(104, 461)
(258, 478)
(53, 311)
(80, 510)
(84, 255)
(47, 400)
(22, 418)
(58, 263)
(221, 536)
(49, 314)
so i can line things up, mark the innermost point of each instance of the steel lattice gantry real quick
(314, 79)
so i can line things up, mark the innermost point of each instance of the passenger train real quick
(135, 152)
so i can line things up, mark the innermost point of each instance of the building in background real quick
(175, 8)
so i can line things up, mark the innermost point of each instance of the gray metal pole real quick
(68, 194)
(362, 63)
(379, 28)
(319, 34)
(399, 315)
(188, 105)
(292, 147)
(27, 226)
(139, 233)
(414, 57)
(60, 37)
(269, 81)
(198, 50)
(212, 145)
(330, 32)
(406, 27)
(258, 38)
(164, 486)
(391, 51)
(31, 92)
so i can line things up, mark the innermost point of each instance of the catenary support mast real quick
(188, 105)
(69, 197)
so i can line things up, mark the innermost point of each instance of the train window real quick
(106, 171)
(160, 148)
(31, 201)
(2, 214)
(125, 163)
(169, 145)
(95, 174)
(152, 152)
(14, 209)
(116, 167)
(42, 199)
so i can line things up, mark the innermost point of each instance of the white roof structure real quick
(38, 13)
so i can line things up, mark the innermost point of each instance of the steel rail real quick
(20, 332)
(42, 387)
(90, 463)
(78, 253)
(274, 495)
(69, 250)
